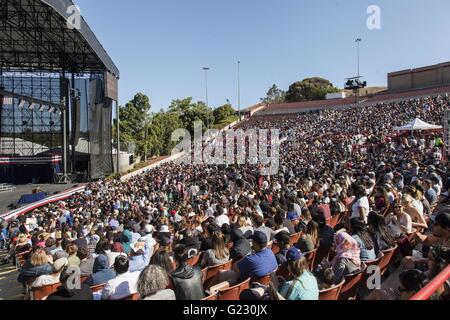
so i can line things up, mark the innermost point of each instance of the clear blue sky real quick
(160, 46)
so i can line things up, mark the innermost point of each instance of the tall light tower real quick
(206, 69)
(239, 89)
(358, 41)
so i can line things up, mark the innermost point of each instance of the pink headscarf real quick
(347, 247)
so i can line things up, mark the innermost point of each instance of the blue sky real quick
(160, 46)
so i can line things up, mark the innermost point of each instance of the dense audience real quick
(140, 236)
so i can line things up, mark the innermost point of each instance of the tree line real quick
(151, 132)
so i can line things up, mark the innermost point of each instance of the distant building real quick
(425, 77)
(336, 95)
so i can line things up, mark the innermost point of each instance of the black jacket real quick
(240, 249)
(188, 283)
(84, 293)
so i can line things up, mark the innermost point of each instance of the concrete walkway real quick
(10, 289)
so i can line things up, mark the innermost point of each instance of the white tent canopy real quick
(417, 125)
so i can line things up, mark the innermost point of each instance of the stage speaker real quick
(76, 118)
(97, 93)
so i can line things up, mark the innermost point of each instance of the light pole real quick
(206, 69)
(358, 41)
(239, 89)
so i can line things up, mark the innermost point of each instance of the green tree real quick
(190, 112)
(310, 89)
(160, 132)
(274, 95)
(223, 112)
(134, 123)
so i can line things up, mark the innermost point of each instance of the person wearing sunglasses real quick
(399, 221)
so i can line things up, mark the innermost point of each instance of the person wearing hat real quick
(259, 264)
(241, 245)
(304, 285)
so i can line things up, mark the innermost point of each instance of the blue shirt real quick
(305, 288)
(365, 255)
(258, 264)
(138, 263)
(431, 195)
(292, 215)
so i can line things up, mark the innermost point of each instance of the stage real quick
(7, 198)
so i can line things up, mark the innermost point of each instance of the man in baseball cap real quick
(259, 264)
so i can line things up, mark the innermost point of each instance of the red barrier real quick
(433, 286)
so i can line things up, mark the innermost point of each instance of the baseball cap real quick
(260, 238)
(294, 254)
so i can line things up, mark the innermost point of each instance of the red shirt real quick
(324, 209)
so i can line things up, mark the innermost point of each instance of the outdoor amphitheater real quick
(358, 208)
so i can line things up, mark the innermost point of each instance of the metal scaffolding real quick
(41, 59)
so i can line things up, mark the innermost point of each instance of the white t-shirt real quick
(363, 203)
(222, 219)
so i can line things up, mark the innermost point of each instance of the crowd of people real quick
(138, 236)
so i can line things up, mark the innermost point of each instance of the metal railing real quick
(433, 286)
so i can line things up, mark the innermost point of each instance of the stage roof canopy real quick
(34, 35)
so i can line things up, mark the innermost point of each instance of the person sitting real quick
(310, 240)
(347, 259)
(382, 236)
(186, 279)
(140, 256)
(303, 286)
(283, 242)
(258, 221)
(218, 254)
(71, 289)
(418, 220)
(241, 246)
(244, 225)
(411, 282)
(326, 233)
(72, 250)
(36, 266)
(279, 224)
(440, 233)
(259, 264)
(124, 284)
(152, 284)
(102, 273)
(48, 279)
(399, 221)
(163, 259)
(86, 264)
(325, 275)
(360, 233)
